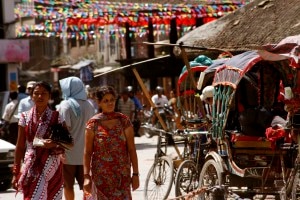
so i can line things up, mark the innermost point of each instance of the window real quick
(91, 40)
(112, 43)
(50, 47)
(72, 42)
(82, 42)
(101, 43)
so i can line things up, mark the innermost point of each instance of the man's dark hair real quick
(22, 89)
(13, 95)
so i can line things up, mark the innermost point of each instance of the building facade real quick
(63, 33)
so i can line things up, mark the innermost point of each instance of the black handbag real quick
(60, 134)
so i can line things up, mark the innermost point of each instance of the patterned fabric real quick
(110, 160)
(42, 169)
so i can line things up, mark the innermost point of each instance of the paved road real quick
(146, 148)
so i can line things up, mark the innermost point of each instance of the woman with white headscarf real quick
(76, 111)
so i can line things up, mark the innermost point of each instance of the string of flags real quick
(88, 19)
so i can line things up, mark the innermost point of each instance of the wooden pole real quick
(146, 93)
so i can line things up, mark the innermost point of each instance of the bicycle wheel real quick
(186, 178)
(159, 179)
(294, 192)
(210, 176)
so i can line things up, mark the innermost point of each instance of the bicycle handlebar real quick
(157, 129)
(191, 132)
(179, 132)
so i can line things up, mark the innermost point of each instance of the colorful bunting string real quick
(85, 19)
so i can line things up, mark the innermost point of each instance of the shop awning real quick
(82, 63)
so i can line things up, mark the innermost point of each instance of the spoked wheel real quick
(186, 178)
(296, 187)
(159, 179)
(294, 191)
(210, 176)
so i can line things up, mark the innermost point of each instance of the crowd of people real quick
(103, 158)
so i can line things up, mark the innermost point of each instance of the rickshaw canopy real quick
(278, 64)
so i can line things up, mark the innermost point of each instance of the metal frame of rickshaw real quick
(198, 102)
(192, 130)
(220, 168)
(195, 129)
(182, 156)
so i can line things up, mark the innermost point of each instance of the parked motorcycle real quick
(167, 114)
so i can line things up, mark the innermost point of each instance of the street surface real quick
(146, 148)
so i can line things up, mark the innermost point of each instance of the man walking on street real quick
(75, 111)
(126, 105)
(137, 112)
(9, 114)
(26, 103)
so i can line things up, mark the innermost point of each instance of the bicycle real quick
(160, 177)
(187, 175)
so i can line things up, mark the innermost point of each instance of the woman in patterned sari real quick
(41, 174)
(110, 152)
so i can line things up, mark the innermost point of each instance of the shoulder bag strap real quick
(54, 117)
(11, 114)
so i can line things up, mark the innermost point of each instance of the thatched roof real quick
(258, 23)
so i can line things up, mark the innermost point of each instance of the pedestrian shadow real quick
(11, 190)
(145, 146)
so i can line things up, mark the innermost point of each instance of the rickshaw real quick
(195, 124)
(255, 120)
(160, 177)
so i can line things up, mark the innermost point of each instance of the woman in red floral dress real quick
(110, 152)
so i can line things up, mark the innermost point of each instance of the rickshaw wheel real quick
(186, 178)
(210, 176)
(295, 190)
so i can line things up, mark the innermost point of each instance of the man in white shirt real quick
(9, 116)
(26, 103)
(159, 101)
